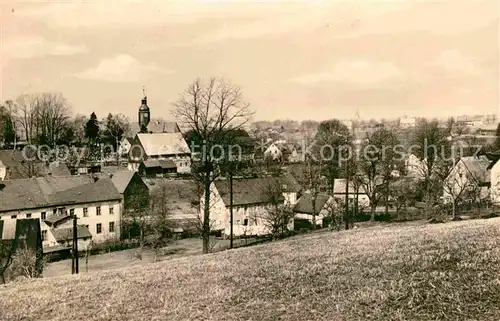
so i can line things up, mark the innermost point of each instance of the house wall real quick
(3, 171)
(495, 184)
(254, 214)
(414, 166)
(124, 147)
(363, 199)
(273, 152)
(91, 220)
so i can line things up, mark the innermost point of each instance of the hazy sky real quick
(293, 60)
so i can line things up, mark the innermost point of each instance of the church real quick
(159, 150)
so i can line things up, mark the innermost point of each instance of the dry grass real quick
(405, 272)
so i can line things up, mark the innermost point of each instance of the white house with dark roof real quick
(251, 202)
(165, 146)
(469, 178)
(323, 205)
(95, 202)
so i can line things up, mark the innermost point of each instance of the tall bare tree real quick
(210, 108)
(434, 152)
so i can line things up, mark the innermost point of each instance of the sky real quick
(292, 59)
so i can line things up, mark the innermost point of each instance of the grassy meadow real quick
(392, 272)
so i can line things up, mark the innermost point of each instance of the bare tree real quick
(278, 215)
(42, 116)
(161, 226)
(402, 193)
(210, 109)
(26, 264)
(434, 152)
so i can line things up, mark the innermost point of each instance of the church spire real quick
(144, 113)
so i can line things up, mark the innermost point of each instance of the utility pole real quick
(231, 207)
(346, 196)
(75, 246)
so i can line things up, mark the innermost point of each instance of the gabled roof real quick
(163, 144)
(59, 169)
(250, 191)
(304, 204)
(121, 179)
(100, 191)
(478, 167)
(66, 234)
(19, 167)
(30, 193)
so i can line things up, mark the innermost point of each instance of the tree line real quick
(47, 119)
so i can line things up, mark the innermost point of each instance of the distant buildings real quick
(407, 122)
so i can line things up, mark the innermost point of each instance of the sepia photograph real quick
(250, 160)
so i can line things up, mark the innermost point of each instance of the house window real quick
(28, 215)
(111, 209)
(44, 235)
(111, 227)
(55, 210)
(44, 215)
(72, 212)
(98, 228)
(13, 217)
(85, 212)
(98, 210)
(245, 222)
(61, 211)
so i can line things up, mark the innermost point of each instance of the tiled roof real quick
(53, 191)
(59, 169)
(164, 144)
(253, 190)
(66, 234)
(102, 190)
(52, 219)
(18, 167)
(304, 204)
(121, 179)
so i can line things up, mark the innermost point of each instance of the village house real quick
(157, 168)
(324, 205)
(124, 145)
(252, 199)
(494, 169)
(164, 146)
(414, 167)
(134, 191)
(168, 144)
(468, 180)
(339, 191)
(54, 200)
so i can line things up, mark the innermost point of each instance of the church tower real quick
(144, 114)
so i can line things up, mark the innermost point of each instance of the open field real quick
(128, 258)
(389, 272)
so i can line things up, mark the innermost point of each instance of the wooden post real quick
(346, 197)
(75, 245)
(231, 208)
